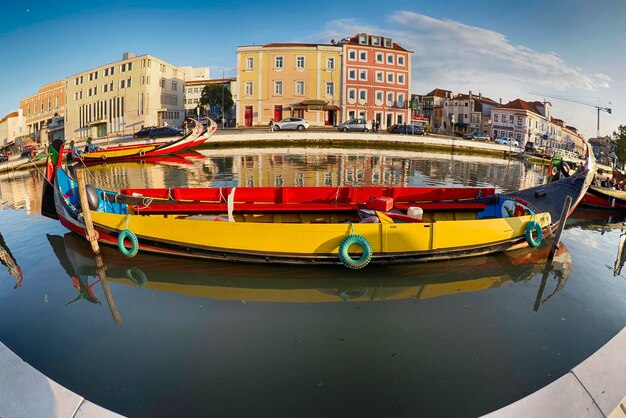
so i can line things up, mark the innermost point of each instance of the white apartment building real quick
(195, 80)
(524, 122)
(122, 97)
(11, 127)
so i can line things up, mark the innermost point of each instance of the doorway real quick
(248, 116)
(278, 113)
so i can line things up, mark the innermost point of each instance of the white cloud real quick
(459, 57)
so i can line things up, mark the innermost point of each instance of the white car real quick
(507, 141)
(291, 123)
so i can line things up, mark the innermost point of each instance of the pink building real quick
(376, 78)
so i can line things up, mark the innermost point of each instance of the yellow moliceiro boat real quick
(318, 242)
(370, 226)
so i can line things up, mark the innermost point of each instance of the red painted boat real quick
(194, 138)
(604, 198)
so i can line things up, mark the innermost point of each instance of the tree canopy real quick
(619, 143)
(212, 97)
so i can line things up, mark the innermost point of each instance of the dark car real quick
(477, 136)
(406, 129)
(154, 132)
(4, 158)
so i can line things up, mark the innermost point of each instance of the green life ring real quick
(533, 234)
(134, 247)
(350, 262)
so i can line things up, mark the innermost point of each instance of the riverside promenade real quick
(594, 388)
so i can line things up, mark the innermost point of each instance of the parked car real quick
(477, 136)
(4, 158)
(410, 129)
(359, 125)
(507, 141)
(291, 123)
(154, 132)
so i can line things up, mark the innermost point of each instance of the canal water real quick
(175, 337)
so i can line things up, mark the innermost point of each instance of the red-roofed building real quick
(376, 74)
(525, 121)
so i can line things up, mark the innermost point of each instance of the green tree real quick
(619, 143)
(212, 96)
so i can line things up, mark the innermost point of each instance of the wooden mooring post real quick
(557, 236)
(92, 237)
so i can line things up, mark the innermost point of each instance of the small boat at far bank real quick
(196, 136)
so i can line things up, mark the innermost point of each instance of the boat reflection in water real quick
(259, 283)
(7, 259)
(603, 221)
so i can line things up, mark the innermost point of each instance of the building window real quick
(278, 88)
(330, 88)
(380, 57)
(249, 63)
(379, 97)
(123, 68)
(95, 90)
(519, 121)
(106, 72)
(352, 55)
(363, 56)
(112, 70)
(105, 88)
(299, 88)
(300, 63)
(401, 60)
(162, 83)
(128, 82)
(387, 42)
(380, 76)
(389, 99)
(352, 94)
(49, 105)
(362, 74)
(330, 63)
(363, 39)
(375, 41)
(390, 78)
(400, 99)
(122, 84)
(363, 95)
(130, 66)
(249, 88)
(400, 78)
(511, 120)
(390, 59)
(352, 75)
(89, 92)
(111, 86)
(174, 85)
(278, 63)
(495, 117)
(189, 90)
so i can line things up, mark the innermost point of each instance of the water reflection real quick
(292, 167)
(7, 259)
(319, 284)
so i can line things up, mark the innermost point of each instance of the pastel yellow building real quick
(122, 97)
(280, 80)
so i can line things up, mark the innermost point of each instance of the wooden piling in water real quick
(559, 230)
(93, 240)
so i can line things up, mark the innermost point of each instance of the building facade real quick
(11, 128)
(40, 108)
(193, 93)
(122, 97)
(430, 106)
(376, 74)
(279, 80)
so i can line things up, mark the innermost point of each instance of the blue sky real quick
(503, 49)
